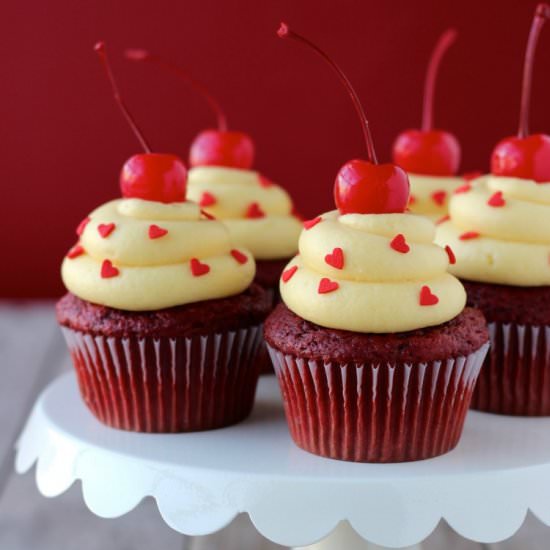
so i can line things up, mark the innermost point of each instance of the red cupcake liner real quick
(167, 384)
(377, 413)
(515, 378)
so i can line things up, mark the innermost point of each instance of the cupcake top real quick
(372, 273)
(369, 267)
(257, 212)
(152, 249)
(141, 255)
(499, 225)
(499, 229)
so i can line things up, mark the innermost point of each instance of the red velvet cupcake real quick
(161, 320)
(375, 354)
(499, 229)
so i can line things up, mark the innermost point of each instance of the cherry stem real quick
(144, 55)
(443, 44)
(100, 50)
(285, 32)
(542, 13)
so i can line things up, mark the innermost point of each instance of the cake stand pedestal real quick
(201, 481)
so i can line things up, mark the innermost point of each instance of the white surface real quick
(201, 481)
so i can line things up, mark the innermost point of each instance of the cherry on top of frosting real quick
(429, 151)
(362, 186)
(526, 155)
(213, 147)
(150, 176)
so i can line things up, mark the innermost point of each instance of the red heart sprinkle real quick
(443, 220)
(336, 258)
(451, 254)
(239, 256)
(463, 189)
(308, 224)
(326, 286)
(105, 229)
(496, 200)
(439, 197)
(156, 232)
(207, 215)
(108, 270)
(198, 268)
(427, 298)
(289, 273)
(207, 199)
(412, 199)
(75, 251)
(254, 211)
(468, 176)
(469, 235)
(399, 244)
(82, 225)
(265, 182)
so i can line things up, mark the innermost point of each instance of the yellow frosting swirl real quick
(231, 192)
(500, 231)
(430, 194)
(155, 270)
(379, 288)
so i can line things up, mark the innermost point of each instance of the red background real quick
(63, 140)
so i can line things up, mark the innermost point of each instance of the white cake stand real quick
(201, 481)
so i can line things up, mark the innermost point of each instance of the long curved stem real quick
(443, 44)
(285, 32)
(100, 49)
(542, 13)
(201, 89)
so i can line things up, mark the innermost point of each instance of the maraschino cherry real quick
(150, 176)
(362, 186)
(219, 147)
(429, 151)
(526, 155)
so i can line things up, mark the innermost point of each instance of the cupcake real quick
(499, 228)
(259, 213)
(375, 354)
(430, 156)
(161, 318)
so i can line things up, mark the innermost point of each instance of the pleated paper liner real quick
(167, 384)
(515, 378)
(377, 413)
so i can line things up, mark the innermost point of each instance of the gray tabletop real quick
(31, 354)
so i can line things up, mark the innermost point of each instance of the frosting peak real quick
(372, 273)
(257, 212)
(140, 255)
